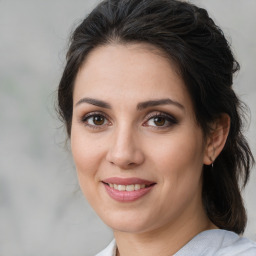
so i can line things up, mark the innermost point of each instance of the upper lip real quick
(127, 181)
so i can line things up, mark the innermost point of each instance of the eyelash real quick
(91, 115)
(167, 118)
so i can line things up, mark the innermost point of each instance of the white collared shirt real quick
(216, 242)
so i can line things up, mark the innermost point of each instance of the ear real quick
(217, 137)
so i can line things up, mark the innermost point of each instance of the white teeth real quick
(128, 187)
(121, 187)
(137, 186)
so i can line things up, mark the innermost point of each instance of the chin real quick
(127, 222)
(128, 227)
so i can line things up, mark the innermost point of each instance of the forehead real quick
(130, 71)
(128, 53)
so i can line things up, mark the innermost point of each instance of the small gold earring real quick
(211, 161)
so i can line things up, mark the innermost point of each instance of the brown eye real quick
(95, 120)
(159, 121)
(98, 120)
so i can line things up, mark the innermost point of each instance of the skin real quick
(128, 142)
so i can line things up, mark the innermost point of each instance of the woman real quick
(155, 128)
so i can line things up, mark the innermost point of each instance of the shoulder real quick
(208, 243)
(218, 243)
(110, 250)
(233, 245)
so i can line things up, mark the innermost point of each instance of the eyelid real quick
(95, 113)
(170, 118)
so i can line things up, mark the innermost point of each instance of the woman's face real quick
(137, 148)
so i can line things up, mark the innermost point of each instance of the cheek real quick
(85, 148)
(86, 158)
(180, 165)
(179, 160)
(86, 154)
(180, 151)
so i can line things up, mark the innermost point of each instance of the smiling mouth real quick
(131, 187)
(127, 189)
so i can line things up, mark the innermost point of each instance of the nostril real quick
(124, 158)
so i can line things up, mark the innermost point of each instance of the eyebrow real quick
(153, 103)
(98, 103)
(140, 106)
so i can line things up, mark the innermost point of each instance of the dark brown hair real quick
(190, 38)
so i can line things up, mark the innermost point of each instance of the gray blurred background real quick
(42, 211)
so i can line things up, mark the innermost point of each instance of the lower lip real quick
(126, 196)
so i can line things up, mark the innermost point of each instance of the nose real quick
(124, 149)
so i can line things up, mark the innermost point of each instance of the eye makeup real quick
(95, 120)
(160, 120)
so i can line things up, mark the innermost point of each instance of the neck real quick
(164, 241)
